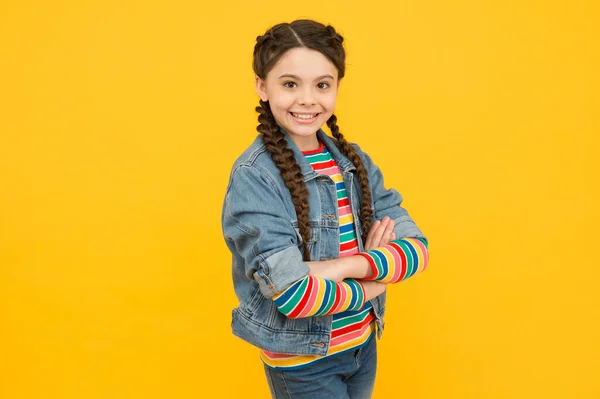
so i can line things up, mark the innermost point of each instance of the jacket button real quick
(318, 344)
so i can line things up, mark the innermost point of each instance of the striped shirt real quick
(353, 321)
(324, 164)
(352, 326)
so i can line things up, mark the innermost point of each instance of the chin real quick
(306, 132)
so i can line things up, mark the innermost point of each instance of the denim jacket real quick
(261, 230)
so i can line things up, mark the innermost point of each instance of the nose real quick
(307, 97)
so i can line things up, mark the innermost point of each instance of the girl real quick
(315, 236)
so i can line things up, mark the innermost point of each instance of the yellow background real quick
(119, 122)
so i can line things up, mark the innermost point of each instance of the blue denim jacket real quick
(261, 231)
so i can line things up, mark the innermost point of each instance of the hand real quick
(373, 289)
(381, 233)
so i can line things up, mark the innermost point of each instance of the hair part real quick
(268, 50)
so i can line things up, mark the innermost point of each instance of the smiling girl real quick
(315, 236)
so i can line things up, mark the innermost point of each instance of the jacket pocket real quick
(315, 233)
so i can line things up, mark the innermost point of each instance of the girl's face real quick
(301, 90)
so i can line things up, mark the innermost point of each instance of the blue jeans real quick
(349, 375)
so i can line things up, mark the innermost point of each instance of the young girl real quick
(315, 236)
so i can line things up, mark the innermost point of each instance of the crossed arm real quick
(346, 283)
(256, 229)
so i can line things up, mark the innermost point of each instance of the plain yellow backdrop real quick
(119, 122)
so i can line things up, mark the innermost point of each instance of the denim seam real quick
(287, 389)
(252, 158)
(278, 330)
(241, 226)
(266, 175)
(270, 382)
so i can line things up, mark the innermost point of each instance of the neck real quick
(305, 143)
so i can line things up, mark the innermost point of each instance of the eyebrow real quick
(289, 75)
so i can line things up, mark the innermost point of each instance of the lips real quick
(304, 116)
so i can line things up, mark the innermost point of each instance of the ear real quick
(261, 88)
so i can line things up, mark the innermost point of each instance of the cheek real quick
(329, 101)
(280, 100)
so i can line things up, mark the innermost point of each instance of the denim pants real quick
(350, 375)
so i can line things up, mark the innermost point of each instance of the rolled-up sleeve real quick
(388, 202)
(256, 221)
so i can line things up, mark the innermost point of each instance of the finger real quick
(378, 233)
(370, 235)
(387, 234)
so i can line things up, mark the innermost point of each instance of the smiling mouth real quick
(305, 116)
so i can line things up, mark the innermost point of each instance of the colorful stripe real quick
(315, 296)
(353, 321)
(324, 164)
(397, 261)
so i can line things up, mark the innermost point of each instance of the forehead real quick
(304, 63)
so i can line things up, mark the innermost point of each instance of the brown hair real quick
(269, 48)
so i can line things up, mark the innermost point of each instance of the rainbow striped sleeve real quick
(316, 296)
(398, 260)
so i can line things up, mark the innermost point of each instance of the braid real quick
(366, 212)
(291, 174)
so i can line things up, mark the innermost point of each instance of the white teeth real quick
(304, 116)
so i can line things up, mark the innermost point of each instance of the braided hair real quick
(269, 48)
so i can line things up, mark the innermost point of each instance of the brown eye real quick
(290, 85)
(323, 85)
